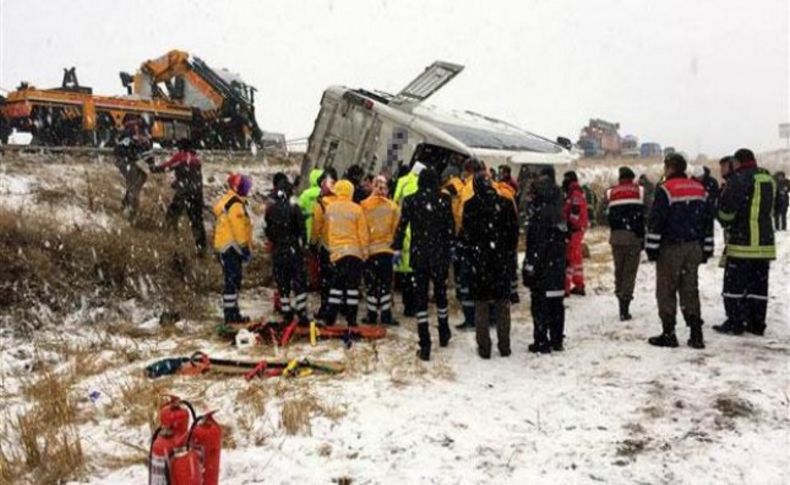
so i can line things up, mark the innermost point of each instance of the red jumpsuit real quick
(576, 215)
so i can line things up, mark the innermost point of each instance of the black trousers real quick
(378, 284)
(232, 273)
(548, 315)
(780, 220)
(193, 205)
(325, 270)
(344, 291)
(423, 277)
(290, 277)
(462, 271)
(746, 292)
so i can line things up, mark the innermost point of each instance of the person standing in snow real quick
(576, 216)
(782, 201)
(745, 209)
(382, 216)
(429, 216)
(490, 234)
(133, 146)
(463, 269)
(188, 187)
(233, 242)
(347, 240)
(407, 185)
(703, 176)
(308, 199)
(285, 230)
(650, 191)
(625, 203)
(675, 240)
(544, 262)
(506, 191)
(318, 237)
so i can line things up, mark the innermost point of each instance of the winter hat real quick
(278, 180)
(344, 188)
(417, 168)
(744, 155)
(549, 172)
(429, 179)
(241, 184)
(625, 173)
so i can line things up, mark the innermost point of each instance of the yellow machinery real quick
(175, 95)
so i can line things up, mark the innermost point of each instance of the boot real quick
(625, 315)
(729, 327)
(543, 348)
(444, 333)
(469, 319)
(756, 328)
(667, 337)
(424, 353)
(371, 318)
(484, 354)
(695, 334)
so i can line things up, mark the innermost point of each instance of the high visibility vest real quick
(234, 227)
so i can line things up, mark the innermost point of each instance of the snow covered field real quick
(610, 409)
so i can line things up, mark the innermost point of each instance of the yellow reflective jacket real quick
(318, 231)
(234, 228)
(346, 228)
(454, 188)
(382, 216)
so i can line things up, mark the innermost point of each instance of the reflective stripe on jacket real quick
(234, 227)
(381, 215)
(346, 229)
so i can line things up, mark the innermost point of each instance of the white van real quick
(381, 132)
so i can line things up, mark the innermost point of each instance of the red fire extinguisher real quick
(207, 441)
(175, 414)
(162, 446)
(185, 468)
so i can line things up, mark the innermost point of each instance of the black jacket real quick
(489, 232)
(547, 232)
(285, 227)
(680, 214)
(625, 204)
(782, 196)
(430, 217)
(746, 205)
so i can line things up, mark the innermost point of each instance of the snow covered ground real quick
(610, 409)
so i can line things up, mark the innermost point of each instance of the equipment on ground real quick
(176, 96)
(280, 333)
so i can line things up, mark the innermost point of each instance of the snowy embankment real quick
(609, 409)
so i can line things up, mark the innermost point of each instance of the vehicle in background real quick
(600, 138)
(630, 146)
(650, 150)
(176, 95)
(382, 132)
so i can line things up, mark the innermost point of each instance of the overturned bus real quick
(381, 132)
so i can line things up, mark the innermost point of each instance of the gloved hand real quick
(246, 255)
(397, 257)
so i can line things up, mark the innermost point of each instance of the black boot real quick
(729, 327)
(695, 334)
(667, 337)
(756, 328)
(625, 315)
(444, 333)
(424, 353)
(543, 348)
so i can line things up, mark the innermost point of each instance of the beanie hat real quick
(625, 173)
(241, 184)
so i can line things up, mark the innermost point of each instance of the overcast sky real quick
(705, 75)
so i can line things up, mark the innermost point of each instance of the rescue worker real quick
(406, 186)
(745, 210)
(464, 269)
(490, 234)
(576, 216)
(625, 203)
(505, 190)
(188, 186)
(650, 191)
(782, 201)
(675, 239)
(702, 175)
(285, 230)
(134, 146)
(429, 216)
(318, 238)
(544, 263)
(233, 242)
(381, 215)
(506, 176)
(725, 170)
(452, 186)
(347, 238)
(356, 175)
(308, 199)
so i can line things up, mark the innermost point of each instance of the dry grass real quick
(137, 403)
(297, 413)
